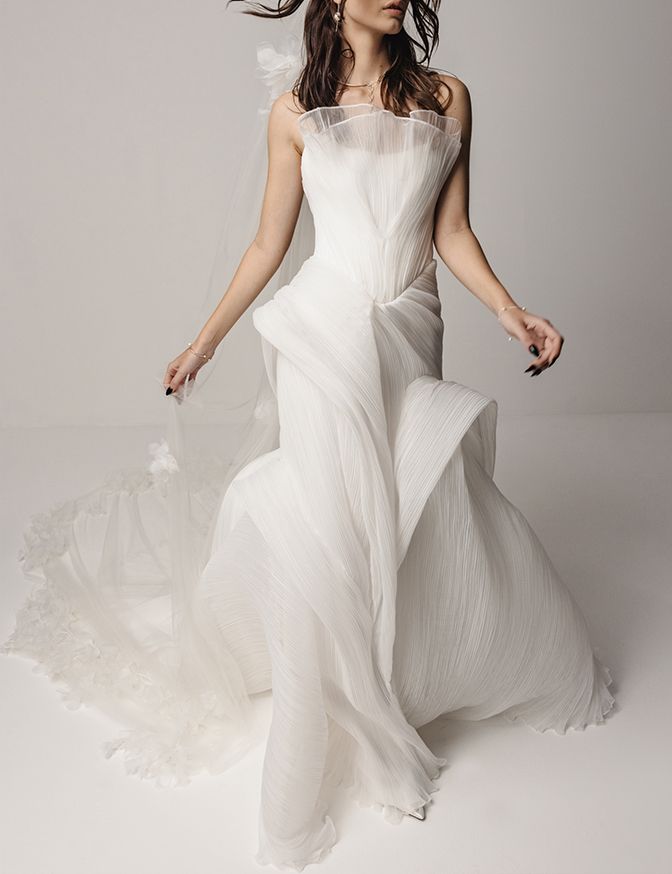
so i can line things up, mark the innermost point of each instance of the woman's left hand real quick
(534, 331)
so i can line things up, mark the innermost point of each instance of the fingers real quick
(549, 342)
(172, 378)
(171, 370)
(176, 380)
(176, 375)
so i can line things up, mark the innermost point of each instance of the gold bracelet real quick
(510, 306)
(200, 354)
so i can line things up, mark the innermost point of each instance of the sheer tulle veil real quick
(243, 428)
(127, 556)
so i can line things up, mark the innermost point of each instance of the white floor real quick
(597, 490)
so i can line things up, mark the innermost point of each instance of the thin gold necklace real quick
(370, 85)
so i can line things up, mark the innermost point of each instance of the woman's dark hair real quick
(408, 83)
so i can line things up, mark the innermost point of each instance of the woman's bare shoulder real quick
(283, 119)
(283, 126)
(455, 98)
(286, 107)
(452, 92)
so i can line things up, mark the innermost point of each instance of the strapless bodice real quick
(372, 179)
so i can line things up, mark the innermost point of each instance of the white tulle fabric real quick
(362, 564)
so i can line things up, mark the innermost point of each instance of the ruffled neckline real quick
(447, 124)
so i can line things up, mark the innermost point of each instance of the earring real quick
(337, 15)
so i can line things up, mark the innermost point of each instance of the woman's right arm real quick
(279, 214)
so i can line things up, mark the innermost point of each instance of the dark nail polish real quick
(169, 391)
(531, 367)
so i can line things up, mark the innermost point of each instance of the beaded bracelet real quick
(200, 354)
(510, 306)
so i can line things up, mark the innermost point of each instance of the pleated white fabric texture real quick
(363, 564)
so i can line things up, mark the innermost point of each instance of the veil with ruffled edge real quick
(109, 618)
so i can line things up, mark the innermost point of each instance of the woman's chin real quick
(391, 25)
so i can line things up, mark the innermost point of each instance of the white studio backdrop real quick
(121, 138)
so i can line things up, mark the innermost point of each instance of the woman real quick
(365, 567)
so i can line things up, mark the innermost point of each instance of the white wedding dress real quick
(366, 568)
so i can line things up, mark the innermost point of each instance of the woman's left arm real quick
(460, 250)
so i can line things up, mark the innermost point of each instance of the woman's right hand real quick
(187, 364)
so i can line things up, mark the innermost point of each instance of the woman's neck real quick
(370, 59)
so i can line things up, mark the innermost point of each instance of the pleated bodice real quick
(372, 179)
